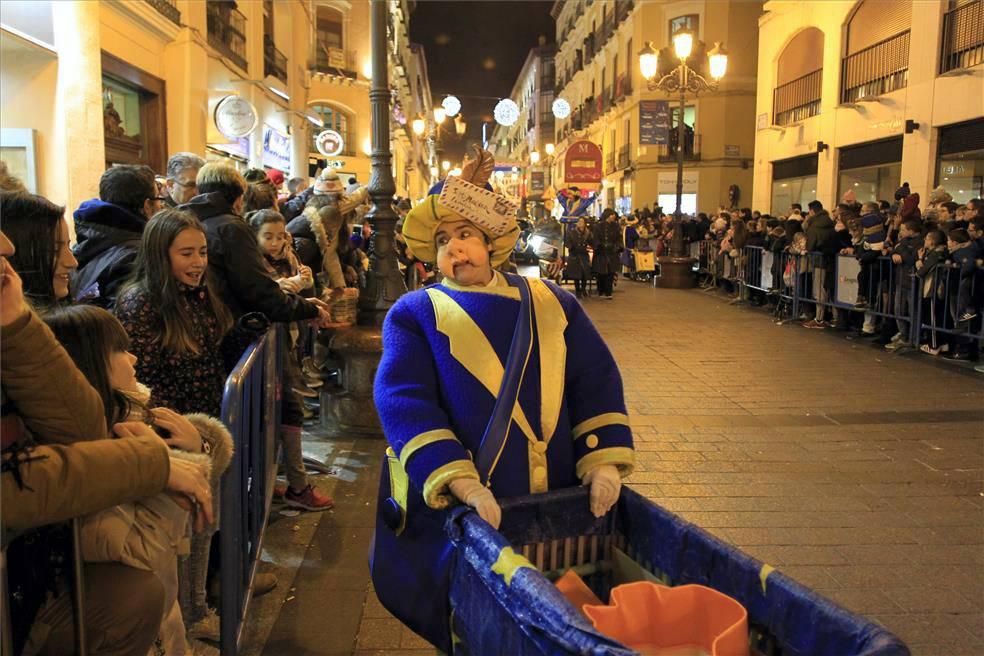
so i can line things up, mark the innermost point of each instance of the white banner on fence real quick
(847, 279)
(767, 260)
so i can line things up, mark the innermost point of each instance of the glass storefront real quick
(962, 174)
(793, 181)
(872, 170)
(960, 163)
(793, 190)
(874, 183)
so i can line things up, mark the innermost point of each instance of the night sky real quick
(477, 48)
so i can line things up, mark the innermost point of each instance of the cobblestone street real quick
(857, 472)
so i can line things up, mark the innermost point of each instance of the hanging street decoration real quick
(561, 108)
(506, 112)
(451, 105)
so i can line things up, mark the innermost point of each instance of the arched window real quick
(876, 56)
(338, 120)
(330, 45)
(799, 78)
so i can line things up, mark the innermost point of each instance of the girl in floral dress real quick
(176, 324)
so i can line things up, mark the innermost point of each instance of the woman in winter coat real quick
(578, 265)
(607, 244)
(148, 533)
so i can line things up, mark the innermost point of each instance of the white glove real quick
(472, 493)
(606, 483)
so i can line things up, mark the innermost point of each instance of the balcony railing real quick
(610, 161)
(798, 99)
(334, 61)
(166, 8)
(274, 62)
(227, 31)
(963, 37)
(622, 9)
(876, 70)
(623, 156)
(691, 148)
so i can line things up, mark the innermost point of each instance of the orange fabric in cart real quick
(658, 620)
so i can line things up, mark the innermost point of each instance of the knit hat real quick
(328, 183)
(467, 197)
(902, 191)
(276, 177)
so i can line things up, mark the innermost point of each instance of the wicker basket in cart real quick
(345, 308)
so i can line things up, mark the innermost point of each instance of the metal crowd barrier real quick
(842, 283)
(251, 411)
(943, 296)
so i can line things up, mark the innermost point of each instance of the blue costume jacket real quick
(442, 364)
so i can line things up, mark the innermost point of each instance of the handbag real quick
(411, 554)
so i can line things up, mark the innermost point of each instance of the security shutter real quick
(877, 20)
(874, 153)
(962, 137)
(796, 167)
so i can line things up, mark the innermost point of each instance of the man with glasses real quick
(182, 169)
(109, 230)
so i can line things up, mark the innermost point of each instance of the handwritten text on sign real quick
(480, 206)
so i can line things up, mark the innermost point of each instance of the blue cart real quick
(504, 601)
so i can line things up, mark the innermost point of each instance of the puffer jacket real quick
(108, 240)
(607, 244)
(149, 533)
(820, 235)
(293, 207)
(241, 276)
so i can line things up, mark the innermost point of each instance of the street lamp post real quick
(676, 269)
(351, 410)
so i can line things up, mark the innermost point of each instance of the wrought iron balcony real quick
(963, 37)
(691, 147)
(623, 156)
(227, 31)
(797, 99)
(274, 61)
(876, 70)
(610, 162)
(166, 8)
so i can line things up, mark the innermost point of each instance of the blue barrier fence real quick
(930, 305)
(251, 411)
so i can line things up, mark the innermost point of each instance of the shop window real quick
(793, 181)
(690, 22)
(872, 170)
(134, 121)
(337, 120)
(960, 162)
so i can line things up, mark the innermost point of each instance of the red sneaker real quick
(308, 499)
(279, 491)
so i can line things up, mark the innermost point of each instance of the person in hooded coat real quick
(606, 240)
(109, 229)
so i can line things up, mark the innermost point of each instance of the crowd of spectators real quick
(115, 355)
(905, 254)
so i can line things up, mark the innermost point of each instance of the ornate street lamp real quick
(352, 411)
(676, 269)
(419, 125)
(534, 157)
(439, 115)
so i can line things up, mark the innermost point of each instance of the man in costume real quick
(437, 385)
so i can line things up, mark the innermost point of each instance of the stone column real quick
(78, 131)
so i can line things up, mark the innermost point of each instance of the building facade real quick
(533, 93)
(86, 85)
(863, 96)
(598, 75)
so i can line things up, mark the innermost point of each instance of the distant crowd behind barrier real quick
(909, 279)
